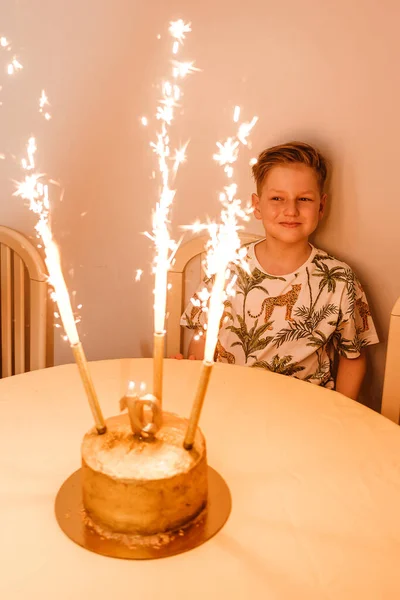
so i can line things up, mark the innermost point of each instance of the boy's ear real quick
(322, 205)
(255, 201)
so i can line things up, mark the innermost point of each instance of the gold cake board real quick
(71, 518)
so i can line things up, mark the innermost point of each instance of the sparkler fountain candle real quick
(165, 246)
(37, 193)
(222, 249)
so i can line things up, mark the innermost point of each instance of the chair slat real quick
(19, 315)
(38, 298)
(174, 308)
(26, 341)
(202, 265)
(6, 311)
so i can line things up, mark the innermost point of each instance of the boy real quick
(300, 306)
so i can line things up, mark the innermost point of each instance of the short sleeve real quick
(195, 314)
(355, 328)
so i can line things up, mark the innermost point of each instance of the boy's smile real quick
(290, 206)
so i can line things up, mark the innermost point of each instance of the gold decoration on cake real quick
(139, 407)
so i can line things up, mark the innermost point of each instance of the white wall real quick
(324, 72)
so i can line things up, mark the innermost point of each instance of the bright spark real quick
(236, 114)
(4, 43)
(44, 101)
(14, 66)
(144, 121)
(139, 273)
(179, 158)
(181, 69)
(245, 130)
(178, 29)
(228, 152)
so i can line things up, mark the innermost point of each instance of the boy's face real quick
(290, 206)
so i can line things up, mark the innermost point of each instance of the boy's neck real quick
(278, 258)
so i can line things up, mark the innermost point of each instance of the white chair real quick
(178, 282)
(391, 384)
(25, 337)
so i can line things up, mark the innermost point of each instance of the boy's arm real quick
(195, 350)
(350, 375)
(197, 347)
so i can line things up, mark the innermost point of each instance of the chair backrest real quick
(176, 280)
(23, 305)
(391, 385)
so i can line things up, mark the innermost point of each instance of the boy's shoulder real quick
(322, 257)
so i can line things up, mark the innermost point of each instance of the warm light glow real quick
(37, 194)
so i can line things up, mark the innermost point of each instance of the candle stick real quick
(86, 378)
(222, 249)
(36, 192)
(158, 359)
(198, 404)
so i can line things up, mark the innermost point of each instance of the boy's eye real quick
(305, 199)
(276, 198)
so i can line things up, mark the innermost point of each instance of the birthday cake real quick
(143, 487)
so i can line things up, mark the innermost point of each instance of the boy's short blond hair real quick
(284, 154)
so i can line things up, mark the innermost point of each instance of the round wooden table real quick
(314, 478)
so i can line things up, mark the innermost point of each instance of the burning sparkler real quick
(165, 246)
(33, 189)
(223, 248)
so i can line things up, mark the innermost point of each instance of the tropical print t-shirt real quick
(291, 324)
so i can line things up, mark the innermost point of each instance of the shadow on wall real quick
(333, 236)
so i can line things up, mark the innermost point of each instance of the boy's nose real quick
(291, 208)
